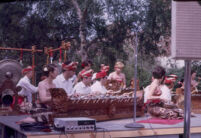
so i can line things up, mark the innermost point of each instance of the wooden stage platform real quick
(108, 129)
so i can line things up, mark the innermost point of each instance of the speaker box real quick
(186, 30)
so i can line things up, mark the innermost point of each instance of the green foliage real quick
(157, 24)
(47, 23)
(144, 77)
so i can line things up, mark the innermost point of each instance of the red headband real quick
(105, 68)
(169, 80)
(101, 74)
(25, 70)
(172, 76)
(71, 66)
(87, 73)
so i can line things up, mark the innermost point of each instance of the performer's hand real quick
(157, 92)
(110, 91)
(76, 95)
(97, 93)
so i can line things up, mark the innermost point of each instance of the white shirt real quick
(81, 88)
(94, 76)
(61, 82)
(27, 88)
(166, 93)
(73, 79)
(98, 87)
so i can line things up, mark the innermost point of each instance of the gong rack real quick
(48, 51)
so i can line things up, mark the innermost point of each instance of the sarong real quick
(165, 110)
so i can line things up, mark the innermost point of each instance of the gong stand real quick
(33, 50)
(49, 52)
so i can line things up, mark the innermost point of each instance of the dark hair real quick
(66, 63)
(158, 72)
(48, 68)
(193, 71)
(86, 63)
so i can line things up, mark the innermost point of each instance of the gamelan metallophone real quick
(101, 107)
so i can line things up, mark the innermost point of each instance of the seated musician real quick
(64, 80)
(99, 86)
(103, 68)
(180, 88)
(86, 65)
(118, 75)
(157, 89)
(83, 87)
(51, 72)
(194, 83)
(27, 88)
(157, 95)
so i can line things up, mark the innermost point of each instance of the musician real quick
(157, 98)
(51, 72)
(157, 89)
(117, 74)
(27, 88)
(194, 83)
(99, 86)
(64, 80)
(83, 87)
(103, 68)
(86, 65)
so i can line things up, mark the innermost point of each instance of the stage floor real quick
(114, 128)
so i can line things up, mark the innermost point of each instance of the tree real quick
(82, 29)
(99, 30)
(157, 25)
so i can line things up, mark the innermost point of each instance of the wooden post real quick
(50, 52)
(60, 55)
(65, 55)
(46, 52)
(65, 46)
(33, 64)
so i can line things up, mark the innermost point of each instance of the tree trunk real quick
(82, 30)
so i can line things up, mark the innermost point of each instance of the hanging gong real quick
(12, 66)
